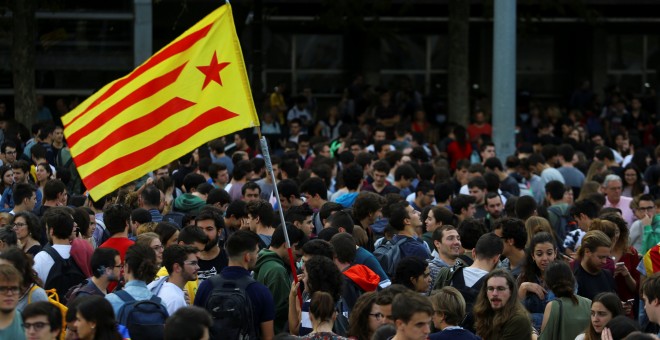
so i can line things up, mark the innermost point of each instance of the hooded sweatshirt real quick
(358, 279)
(272, 272)
(188, 203)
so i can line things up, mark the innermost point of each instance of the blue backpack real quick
(145, 319)
(388, 255)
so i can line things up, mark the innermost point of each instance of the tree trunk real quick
(458, 73)
(23, 60)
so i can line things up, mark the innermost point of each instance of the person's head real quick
(414, 273)
(106, 262)
(499, 292)
(380, 171)
(301, 217)
(9, 150)
(525, 207)
(447, 242)
(595, 250)
(86, 221)
(365, 313)
(44, 171)
(449, 306)
(235, 215)
(210, 221)
(477, 187)
(140, 263)
(289, 193)
(385, 298)
(403, 216)
(17, 258)
(464, 205)
(315, 192)
(535, 225)
(26, 224)
(424, 193)
(554, 191)
(116, 218)
(541, 251)
(151, 240)
(11, 282)
(168, 233)
(560, 280)
(295, 237)
(352, 176)
(604, 307)
(55, 190)
(621, 232)
(489, 247)
(583, 211)
(251, 191)
(322, 308)
(487, 150)
(193, 236)
(319, 247)
(260, 212)
(645, 205)
(494, 205)
(651, 297)
(321, 274)
(243, 248)
(150, 197)
(612, 187)
(437, 217)
(181, 261)
(470, 230)
(94, 315)
(412, 314)
(513, 232)
(59, 223)
(25, 195)
(42, 321)
(8, 238)
(188, 323)
(620, 326)
(345, 248)
(343, 221)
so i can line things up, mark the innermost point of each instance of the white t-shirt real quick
(172, 296)
(472, 275)
(43, 262)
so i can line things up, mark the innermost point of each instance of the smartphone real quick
(620, 264)
(630, 302)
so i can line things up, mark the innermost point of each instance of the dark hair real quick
(288, 188)
(488, 246)
(251, 186)
(525, 207)
(512, 228)
(23, 264)
(584, 206)
(176, 254)
(290, 167)
(461, 202)
(478, 182)
(240, 242)
(191, 234)
(367, 203)
(96, 309)
(140, 260)
(493, 163)
(47, 309)
(263, 210)
(360, 316)
(407, 268)
(188, 323)
(342, 219)
(60, 221)
(165, 231)
(404, 171)
(560, 280)
(530, 270)
(295, 235)
(101, 259)
(298, 213)
(150, 196)
(470, 230)
(387, 295)
(8, 236)
(116, 218)
(328, 208)
(315, 186)
(345, 247)
(33, 224)
(218, 196)
(319, 247)
(322, 306)
(213, 214)
(556, 189)
(407, 304)
(140, 215)
(621, 326)
(22, 191)
(651, 287)
(443, 191)
(398, 214)
(323, 275)
(566, 151)
(191, 181)
(52, 188)
(81, 217)
(353, 176)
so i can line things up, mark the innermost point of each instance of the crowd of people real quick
(396, 226)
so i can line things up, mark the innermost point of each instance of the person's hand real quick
(293, 293)
(646, 220)
(627, 308)
(606, 334)
(150, 181)
(535, 288)
(621, 270)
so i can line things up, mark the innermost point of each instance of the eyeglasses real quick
(37, 325)
(19, 225)
(5, 290)
(191, 263)
(646, 208)
(11, 152)
(378, 316)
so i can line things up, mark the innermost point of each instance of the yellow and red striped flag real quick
(193, 90)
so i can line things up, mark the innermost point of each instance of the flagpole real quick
(269, 167)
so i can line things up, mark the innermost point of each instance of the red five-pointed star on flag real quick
(212, 72)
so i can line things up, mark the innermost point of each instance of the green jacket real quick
(272, 271)
(188, 203)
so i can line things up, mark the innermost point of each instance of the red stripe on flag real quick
(136, 158)
(133, 128)
(170, 51)
(145, 91)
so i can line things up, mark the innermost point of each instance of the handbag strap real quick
(560, 312)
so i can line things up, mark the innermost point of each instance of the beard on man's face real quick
(211, 243)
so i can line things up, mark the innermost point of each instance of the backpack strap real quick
(124, 296)
(159, 285)
(53, 253)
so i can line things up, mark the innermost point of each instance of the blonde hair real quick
(449, 302)
(146, 238)
(148, 227)
(588, 188)
(594, 170)
(535, 225)
(607, 227)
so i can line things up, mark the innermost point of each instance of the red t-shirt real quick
(476, 131)
(456, 153)
(121, 244)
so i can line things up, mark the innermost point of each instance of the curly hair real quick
(323, 275)
(23, 263)
(488, 321)
(360, 316)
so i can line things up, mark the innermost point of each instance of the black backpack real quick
(388, 255)
(63, 275)
(231, 309)
(145, 319)
(470, 295)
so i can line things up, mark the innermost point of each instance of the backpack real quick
(651, 234)
(470, 294)
(446, 275)
(231, 309)
(54, 300)
(145, 319)
(388, 255)
(64, 274)
(75, 291)
(341, 325)
(563, 225)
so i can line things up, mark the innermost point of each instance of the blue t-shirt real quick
(263, 307)
(413, 247)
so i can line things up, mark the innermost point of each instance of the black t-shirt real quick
(208, 268)
(590, 285)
